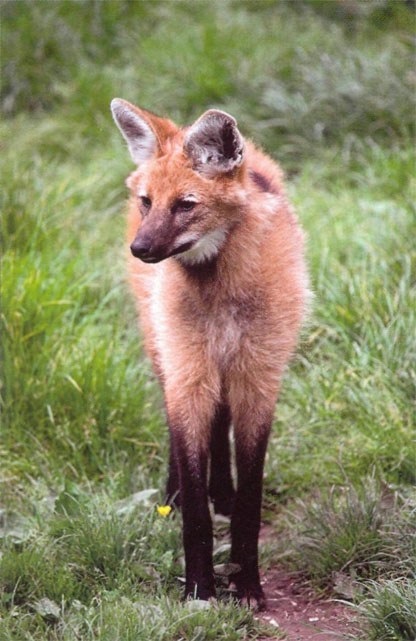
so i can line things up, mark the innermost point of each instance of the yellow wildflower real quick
(164, 510)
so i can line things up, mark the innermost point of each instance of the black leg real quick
(192, 465)
(172, 486)
(221, 488)
(245, 522)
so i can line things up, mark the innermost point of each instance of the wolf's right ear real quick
(139, 135)
(214, 144)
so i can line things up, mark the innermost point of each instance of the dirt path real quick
(293, 610)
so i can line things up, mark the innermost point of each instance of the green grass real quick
(328, 89)
(389, 610)
(346, 536)
(90, 567)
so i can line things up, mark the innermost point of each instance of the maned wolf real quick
(221, 287)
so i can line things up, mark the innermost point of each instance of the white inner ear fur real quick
(206, 248)
(140, 138)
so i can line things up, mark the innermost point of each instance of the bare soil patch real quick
(295, 610)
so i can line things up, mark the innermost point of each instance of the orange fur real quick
(201, 340)
(219, 332)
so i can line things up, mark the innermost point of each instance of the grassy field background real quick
(328, 88)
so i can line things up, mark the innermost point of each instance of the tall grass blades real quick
(352, 535)
(390, 611)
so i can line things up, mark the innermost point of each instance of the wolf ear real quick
(139, 135)
(214, 144)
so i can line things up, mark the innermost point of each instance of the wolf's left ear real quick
(214, 144)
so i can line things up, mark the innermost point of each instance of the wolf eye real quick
(185, 205)
(146, 202)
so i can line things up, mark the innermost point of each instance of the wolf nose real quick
(140, 248)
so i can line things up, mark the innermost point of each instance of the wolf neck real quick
(226, 271)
